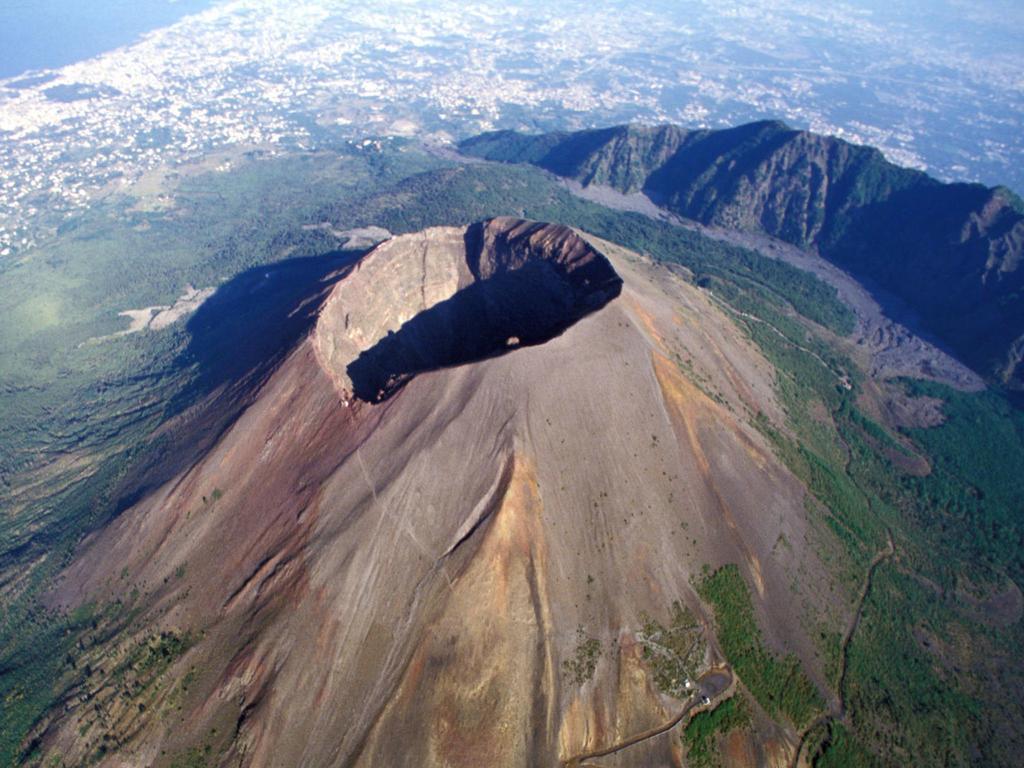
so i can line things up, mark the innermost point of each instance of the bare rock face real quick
(460, 571)
(448, 296)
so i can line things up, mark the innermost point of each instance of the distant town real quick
(284, 76)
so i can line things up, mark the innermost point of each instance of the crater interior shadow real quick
(523, 307)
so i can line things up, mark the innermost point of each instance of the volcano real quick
(458, 525)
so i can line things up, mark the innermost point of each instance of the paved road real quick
(711, 684)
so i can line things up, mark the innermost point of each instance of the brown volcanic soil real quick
(398, 581)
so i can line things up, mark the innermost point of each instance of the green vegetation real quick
(829, 645)
(47, 653)
(38, 647)
(843, 751)
(973, 492)
(779, 684)
(704, 730)
(826, 434)
(903, 702)
(676, 654)
(153, 656)
(580, 668)
(976, 491)
(960, 520)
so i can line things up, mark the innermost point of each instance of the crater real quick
(449, 296)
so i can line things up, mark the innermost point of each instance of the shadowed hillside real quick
(952, 252)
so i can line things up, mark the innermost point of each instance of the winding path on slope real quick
(712, 684)
(839, 712)
(843, 378)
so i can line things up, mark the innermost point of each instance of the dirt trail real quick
(880, 557)
(842, 377)
(713, 684)
(838, 710)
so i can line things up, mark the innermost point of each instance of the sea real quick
(47, 34)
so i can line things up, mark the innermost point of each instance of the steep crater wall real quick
(448, 296)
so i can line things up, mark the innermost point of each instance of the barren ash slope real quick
(460, 525)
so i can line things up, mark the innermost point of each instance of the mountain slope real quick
(951, 252)
(470, 565)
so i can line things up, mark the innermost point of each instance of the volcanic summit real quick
(443, 530)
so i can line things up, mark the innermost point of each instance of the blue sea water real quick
(45, 34)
